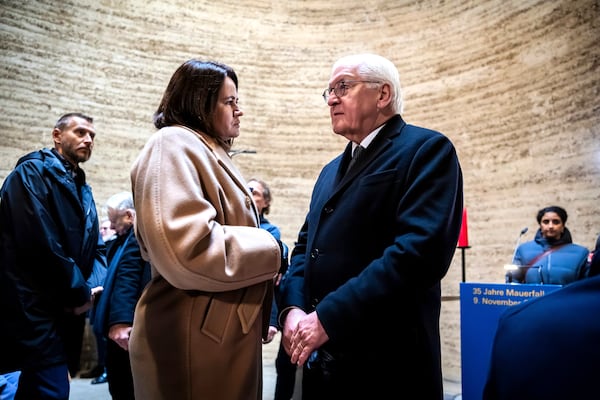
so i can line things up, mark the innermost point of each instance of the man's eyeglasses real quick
(340, 88)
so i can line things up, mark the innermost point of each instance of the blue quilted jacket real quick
(565, 264)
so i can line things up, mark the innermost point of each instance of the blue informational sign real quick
(481, 305)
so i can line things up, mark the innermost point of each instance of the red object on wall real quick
(463, 238)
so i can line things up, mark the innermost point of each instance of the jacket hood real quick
(46, 156)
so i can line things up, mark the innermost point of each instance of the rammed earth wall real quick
(515, 85)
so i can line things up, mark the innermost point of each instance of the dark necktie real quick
(357, 151)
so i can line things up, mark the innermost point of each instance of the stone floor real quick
(82, 389)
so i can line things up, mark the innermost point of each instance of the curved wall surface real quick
(515, 85)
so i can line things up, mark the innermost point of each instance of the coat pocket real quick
(222, 307)
(250, 306)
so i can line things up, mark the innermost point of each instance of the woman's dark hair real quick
(556, 209)
(192, 94)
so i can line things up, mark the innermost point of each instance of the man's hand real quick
(289, 326)
(308, 336)
(271, 334)
(86, 306)
(119, 333)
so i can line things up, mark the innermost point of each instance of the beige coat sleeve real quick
(196, 221)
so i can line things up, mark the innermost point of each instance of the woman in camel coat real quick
(198, 325)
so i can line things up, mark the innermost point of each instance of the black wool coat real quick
(370, 256)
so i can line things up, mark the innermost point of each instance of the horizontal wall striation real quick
(515, 86)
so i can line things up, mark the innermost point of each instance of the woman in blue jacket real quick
(551, 257)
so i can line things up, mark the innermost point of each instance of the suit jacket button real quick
(314, 303)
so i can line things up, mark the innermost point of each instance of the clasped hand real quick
(302, 334)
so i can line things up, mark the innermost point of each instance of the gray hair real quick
(376, 68)
(120, 201)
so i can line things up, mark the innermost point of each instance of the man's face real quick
(354, 114)
(75, 141)
(105, 230)
(120, 220)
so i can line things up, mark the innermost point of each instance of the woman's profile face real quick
(551, 226)
(227, 113)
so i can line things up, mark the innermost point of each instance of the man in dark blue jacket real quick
(361, 300)
(52, 261)
(128, 274)
(548, 348)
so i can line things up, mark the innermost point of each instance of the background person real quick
(98, 373)
(106, 231)
(378, 238)
(52, 261)
(261, 194)
(128, 274)
(595, 259)
(547, 348)
(286, 370)
(551, 257)
(198, 325)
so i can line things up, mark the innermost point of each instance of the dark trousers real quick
(118, 371)
(71, 328)
(101, 350)
(44, 383)
(98, 334)
(333, 376)
(286, 375)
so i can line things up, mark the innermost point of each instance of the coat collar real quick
(392, 128)
(226, 162)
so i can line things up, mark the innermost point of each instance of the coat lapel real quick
(225, 161)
